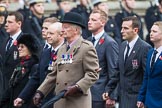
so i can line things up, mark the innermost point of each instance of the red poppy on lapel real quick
(15, 42)
(101, 41)
(160, 57)
(54, 57)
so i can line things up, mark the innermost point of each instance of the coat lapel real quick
(13, 50)
(73, 50)
(133, 53)
(100, 42)
(159, 59)
(121, 55)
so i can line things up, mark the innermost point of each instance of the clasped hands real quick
(109, 102)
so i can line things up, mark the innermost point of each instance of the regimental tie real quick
(126, 55)
(9, 44)
(68, 47)
(93, 40)
(53, 54)
(153, 59)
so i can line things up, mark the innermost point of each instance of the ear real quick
(19, 23)
(136, 30)
(103, 22)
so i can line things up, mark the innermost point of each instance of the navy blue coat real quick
(151, 90)
(9, 61)
(108, 55)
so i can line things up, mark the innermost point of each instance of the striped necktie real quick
(9, 44)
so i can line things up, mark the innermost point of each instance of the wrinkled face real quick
(127, 31)
(23, 51)
(68, 30)
(44, 29)
(65, 6)
(94, 22)
(52, 35)
(156, 34)
(38, 8)
(12, 26)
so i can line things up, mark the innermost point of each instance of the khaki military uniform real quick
(81, 71)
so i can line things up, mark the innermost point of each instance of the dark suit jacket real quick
(38, 77)
(151, 90)
(1, 77)
(9, 62)
(131, 74)
(107, 52)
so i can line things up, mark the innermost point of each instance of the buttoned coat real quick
(107, 51)
(10, 60)
(131, 74)
(81, 71)
(151, 90)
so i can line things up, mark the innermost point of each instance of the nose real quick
(122, 30)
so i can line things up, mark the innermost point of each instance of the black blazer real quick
(10, 60)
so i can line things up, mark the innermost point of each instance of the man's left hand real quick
(110, 103)
(72, 90)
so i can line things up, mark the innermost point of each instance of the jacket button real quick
(57, 83)
(65, 83)
(67, 70)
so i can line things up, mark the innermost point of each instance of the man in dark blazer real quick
(107, 51)
(9, 49)
(132, 60)
(150, 93)
(47, 57)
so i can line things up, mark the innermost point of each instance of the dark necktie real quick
(46, 46)
(153, 59)
(126, 55)
(9, 44)
(53, 54)
(93, 40)
(68, 47)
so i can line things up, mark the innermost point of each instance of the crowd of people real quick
(95, 60)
